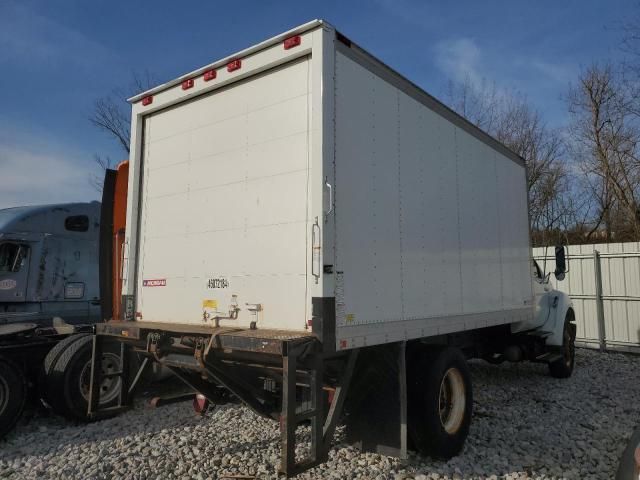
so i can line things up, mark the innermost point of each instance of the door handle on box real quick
(315, 250)
(330, 188)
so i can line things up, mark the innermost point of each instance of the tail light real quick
(210, 75)
(292, 42)
(234, 65)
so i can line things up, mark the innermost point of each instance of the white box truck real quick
(298, 212)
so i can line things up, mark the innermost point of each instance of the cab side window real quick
(12, 257)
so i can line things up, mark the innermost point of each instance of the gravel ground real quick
(526, 425)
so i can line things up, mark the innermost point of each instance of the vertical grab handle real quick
(315, 250)
(330, 188)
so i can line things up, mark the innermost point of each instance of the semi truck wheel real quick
(13, 394)
(440, 402)
(563, 367)
(48, 395)
(58, 348)
(69, 378)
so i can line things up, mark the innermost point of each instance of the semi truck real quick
(53, 289)
(315, 235)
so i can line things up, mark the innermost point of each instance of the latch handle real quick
(330, 188)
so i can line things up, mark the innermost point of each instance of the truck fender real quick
(560, 304)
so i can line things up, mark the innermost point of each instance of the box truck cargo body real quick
(301, 200)
(414, 223)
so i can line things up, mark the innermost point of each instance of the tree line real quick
(583, 178)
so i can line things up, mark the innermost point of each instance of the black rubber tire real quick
(47, 366)
(627, 467)
(63, 381)
(13, 395)
(58, 348)
(563, 368)
(424, 381)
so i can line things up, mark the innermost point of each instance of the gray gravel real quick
(526, 425)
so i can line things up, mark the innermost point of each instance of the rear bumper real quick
(184, 337)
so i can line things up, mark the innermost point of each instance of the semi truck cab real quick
(48, 264)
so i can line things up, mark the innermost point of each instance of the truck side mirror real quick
(561, 263)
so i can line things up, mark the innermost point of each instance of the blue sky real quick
(57, 57)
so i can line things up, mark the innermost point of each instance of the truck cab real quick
(48, 264)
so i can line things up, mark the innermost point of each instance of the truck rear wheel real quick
(563, 367)
(48, 391)
(68, 380)
(58, 348)
(13, 395)
(440, 402)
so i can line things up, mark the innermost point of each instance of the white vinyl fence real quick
(604, 283)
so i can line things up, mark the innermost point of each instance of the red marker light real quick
(292, 42)
(234, 65)
(147, 101)
(187, 84)
(210, 75)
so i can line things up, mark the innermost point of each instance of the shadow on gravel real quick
(41, 430)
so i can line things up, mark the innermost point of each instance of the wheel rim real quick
(4, 394)
(110, 386)
(452, 400)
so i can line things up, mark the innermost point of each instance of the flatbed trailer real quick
(313, 234)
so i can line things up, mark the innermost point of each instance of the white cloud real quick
(35, 170)
(460, 59)
(556, 72)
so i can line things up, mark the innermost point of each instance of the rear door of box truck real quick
(223, 204)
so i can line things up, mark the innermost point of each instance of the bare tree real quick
(112, 114)
(605, 133)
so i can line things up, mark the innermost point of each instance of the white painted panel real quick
(366, 199)
(226, 197)
(419, 209)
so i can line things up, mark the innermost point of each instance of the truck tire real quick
(440, 402)
(13, 395)
(563, 367)
(49, 361)
(68, 380)
(57, 350)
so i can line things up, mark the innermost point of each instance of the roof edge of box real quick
(223, 61)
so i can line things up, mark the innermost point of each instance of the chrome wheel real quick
(452, 400)
(110, 386)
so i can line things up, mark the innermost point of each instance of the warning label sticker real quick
(157, 282)
(210, 304)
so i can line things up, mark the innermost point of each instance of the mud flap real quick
(376, 410)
